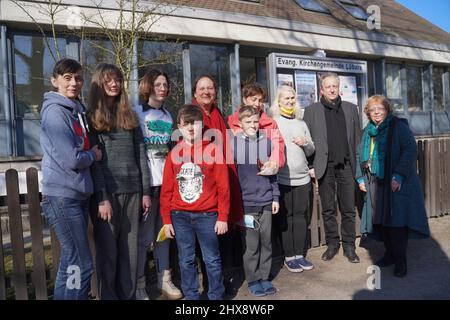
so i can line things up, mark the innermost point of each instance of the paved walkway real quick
(428, 273)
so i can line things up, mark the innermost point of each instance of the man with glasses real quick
(335, 129)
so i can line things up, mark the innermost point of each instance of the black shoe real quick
(330, 253)
(351, 255)
(230, 290)
(400, 270)
(386, 261)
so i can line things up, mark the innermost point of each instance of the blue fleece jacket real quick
(250, 154)
(66, 155)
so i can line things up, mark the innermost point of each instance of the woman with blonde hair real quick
(121, 183)
(293, 179)
(394, 207)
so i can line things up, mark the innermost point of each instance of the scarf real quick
(215, 121)
(287, 112)
(380, 137)
(338, 149)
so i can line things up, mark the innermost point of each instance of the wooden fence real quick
(29, 284)
(433, 168)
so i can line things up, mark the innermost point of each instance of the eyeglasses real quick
(113, 81)
(161, 85)
(375, 109)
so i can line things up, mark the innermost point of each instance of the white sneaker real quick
(167, 287)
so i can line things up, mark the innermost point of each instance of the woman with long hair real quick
(121, 183)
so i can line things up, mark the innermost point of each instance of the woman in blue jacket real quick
(394, 205)
(66, 178)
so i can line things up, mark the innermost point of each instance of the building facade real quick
(406, 57)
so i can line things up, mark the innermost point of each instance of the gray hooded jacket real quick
(66, 155)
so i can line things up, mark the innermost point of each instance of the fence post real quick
(433, 177)
(17, 244)
(446, 174)
(34, 209)
(426, 160)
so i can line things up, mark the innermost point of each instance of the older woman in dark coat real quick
(394, 205)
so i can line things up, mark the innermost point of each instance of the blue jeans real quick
(189, 226)
(69, 219)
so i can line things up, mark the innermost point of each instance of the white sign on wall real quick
(319, 64)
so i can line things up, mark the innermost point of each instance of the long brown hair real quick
(104, 116)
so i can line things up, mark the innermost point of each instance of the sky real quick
(435, 11)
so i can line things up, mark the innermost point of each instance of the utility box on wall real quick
(303, 72)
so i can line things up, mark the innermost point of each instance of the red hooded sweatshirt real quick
(195, 180)
(272, 132)
(215, 121)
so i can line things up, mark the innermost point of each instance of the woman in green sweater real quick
(121, 183)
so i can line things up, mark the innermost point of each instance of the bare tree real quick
(131, 21)
(50, 9)
(122, 26)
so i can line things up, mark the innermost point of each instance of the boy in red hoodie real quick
(194, 201)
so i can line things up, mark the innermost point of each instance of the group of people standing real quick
(120, 165)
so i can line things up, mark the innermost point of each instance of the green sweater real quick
(123, 168)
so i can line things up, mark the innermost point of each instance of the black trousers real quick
(395, 241)
(292, 220)
(338, 179)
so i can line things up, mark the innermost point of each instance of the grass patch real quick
(8, 262)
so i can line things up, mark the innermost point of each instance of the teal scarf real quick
(379, 151)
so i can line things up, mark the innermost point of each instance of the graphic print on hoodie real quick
(195, 180)
(190, 182)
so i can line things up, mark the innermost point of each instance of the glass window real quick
(93, 52)
(312, 5)
(394, 86)
(355, 10)
(247, 68)
(438, 88)
(414, 88)
(214, 61)
(446, 89)
(33, 62)
(2, 87)
(3, 124)
(167, 57)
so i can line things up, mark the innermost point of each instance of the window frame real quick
(323, 8)
(446, 104)
(402, 85)
(347, 4)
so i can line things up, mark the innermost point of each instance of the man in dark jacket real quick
(335, 129)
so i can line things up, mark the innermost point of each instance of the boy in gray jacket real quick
(260, 195)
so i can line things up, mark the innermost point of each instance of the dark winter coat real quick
(406, 206)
